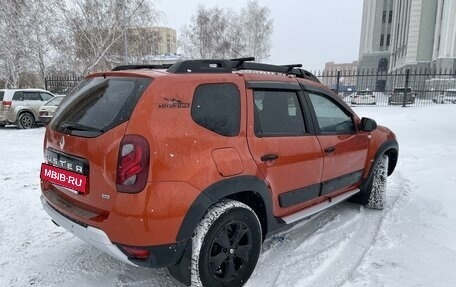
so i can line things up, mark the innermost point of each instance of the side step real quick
(319, 207)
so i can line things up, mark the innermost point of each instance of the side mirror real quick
(368, 125)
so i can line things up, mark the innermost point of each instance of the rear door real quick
(344, 148)
(33, 101)
(283, 144)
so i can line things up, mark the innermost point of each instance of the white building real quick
(408, 34)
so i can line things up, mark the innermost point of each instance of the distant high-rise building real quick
(416, 34)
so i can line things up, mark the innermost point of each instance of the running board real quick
(319, 207)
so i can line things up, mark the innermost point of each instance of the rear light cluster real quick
(7, 105)
(135, 252)
(133, 164)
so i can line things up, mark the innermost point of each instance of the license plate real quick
(66, 178)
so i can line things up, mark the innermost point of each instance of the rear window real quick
(98, 104)
(217, 107)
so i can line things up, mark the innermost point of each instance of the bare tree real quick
(96, 27)
(257, 30)
(220, 33)
(12, 49)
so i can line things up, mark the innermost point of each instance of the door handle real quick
(268, 157)
(329, 149)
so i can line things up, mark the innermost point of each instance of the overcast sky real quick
(310, 32)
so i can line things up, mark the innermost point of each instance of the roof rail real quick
(141, 66)
(224, 66)
(294, 69)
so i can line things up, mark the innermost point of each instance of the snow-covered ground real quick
(412, 242)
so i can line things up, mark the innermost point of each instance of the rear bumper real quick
(45, 120)
(160, 255)
(89, 234)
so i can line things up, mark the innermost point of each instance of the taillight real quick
(7, 104)
(136, 252)
(133, 164)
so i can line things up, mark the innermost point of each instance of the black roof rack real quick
(238, 64)
(141, 66)
(224, 66)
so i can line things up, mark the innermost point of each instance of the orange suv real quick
(192, 166)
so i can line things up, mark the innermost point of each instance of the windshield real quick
(98, 104)
(54, 101)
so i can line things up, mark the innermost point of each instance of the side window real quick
(18, 96)
(31, 96)
(278, 113)
(217, 107)
(331, 118)
(45, 96)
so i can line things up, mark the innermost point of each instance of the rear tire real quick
(26, 121)
(226, 245)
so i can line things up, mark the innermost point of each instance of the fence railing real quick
(61, 85)
(402, 87)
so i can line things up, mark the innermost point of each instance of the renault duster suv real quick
(192, 167)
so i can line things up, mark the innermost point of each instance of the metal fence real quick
(61, 85)
(418, 87)
(424, 86)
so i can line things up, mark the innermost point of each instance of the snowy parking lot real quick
(412, 242)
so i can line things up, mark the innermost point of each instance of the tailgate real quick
(83, 142)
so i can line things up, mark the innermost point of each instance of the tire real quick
(374, 194)
(220, 255)
(377, 187)
(26, 121)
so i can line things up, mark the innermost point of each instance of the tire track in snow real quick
(327, 249)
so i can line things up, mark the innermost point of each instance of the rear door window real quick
(98, 104)
(18, 96)
(2, 94)
(31, 96)
(278, 113)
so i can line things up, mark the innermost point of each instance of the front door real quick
(345, 149)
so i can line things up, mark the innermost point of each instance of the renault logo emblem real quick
(62, 143)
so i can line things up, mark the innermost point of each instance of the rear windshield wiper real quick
(80, 127)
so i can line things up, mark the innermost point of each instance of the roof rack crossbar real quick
(237, 64)
(294, 69)
(141, 66)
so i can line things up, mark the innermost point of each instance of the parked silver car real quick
(397, 96)
(448, 96)
(20, 106)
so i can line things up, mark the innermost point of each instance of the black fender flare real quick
(223, 189)
(388, 145)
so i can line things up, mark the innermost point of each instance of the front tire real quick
(226, 245)
(26, 121)
(374, 194)
(377, 187)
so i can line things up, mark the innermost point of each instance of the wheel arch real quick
(26, 110)
(391, 149)
(249, 190)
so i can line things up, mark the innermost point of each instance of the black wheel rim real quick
(230, 251)
(26, 121)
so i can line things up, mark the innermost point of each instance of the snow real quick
(412, 242)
